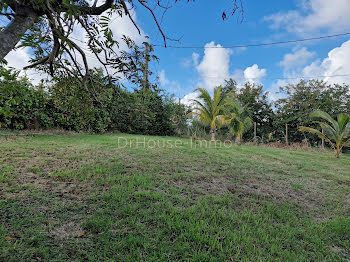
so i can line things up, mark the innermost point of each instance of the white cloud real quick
(195, 58)
(192, 61)
(214, 67)
(298, 58)
(171, 86)
(274, 91)
(292, 64)
(187, 98)
(337, 63)
(18, 59)
(239, 50)
(335, 69)
(122, 25)
(162, 79)
(313, 16)
(254, 73)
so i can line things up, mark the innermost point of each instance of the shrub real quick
(21, 104)
(80, 110)
(103, 107)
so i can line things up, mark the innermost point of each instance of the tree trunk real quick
(238, 139)
(212, 132)
(11, 35)
(337, 152)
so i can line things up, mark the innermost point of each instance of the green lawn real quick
(84, 198)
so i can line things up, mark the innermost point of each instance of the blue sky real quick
(199, 23)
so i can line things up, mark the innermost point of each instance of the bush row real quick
(99, 107)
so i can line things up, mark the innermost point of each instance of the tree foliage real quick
(21, 104)
(302, 99)
(210, 111)
(47, 27)
(237, 118)
(66, 105)
(336, 132)
(256, 104)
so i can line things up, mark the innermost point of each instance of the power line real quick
(280, 78)
(255, 45)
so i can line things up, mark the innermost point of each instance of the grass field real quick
(90, 198)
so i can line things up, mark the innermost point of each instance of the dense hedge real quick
(21, 105)
(103, 107)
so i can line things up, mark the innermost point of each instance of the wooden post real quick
(322, 139)
(254, 132)
(287, 134)
(145, 70)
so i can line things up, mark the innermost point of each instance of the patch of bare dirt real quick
(311, 197)
(67, 231)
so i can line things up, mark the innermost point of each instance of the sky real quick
(181, 70)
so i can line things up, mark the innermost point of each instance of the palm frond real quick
(199, 104)
(346, 131)
(347, 142)
(316, 132)
(328, 130)
(209, 110)
(327, 117)
(343, 120)
(205, 96)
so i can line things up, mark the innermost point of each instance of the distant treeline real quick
(105, 107)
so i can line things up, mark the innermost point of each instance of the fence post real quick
(287, 134)
(255, 133)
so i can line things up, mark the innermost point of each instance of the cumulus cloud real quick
(172, 86)
(313, 16)
(254, 73)
(187, 99)
(335, 69)
(18, 59)
(298, 58)
(292, 64)
(214, 67)
(195, 58)
(192, 61)
(337, 64)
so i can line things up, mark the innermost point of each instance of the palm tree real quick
(336, 132)
(209, 110)
(238, 120)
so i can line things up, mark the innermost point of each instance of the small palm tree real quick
(336, 132)
(209, 110)
(238, 120)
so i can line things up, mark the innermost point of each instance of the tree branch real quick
(129, 15)
(11, 35)
(39, 62)
(96, 10)
(155, 19)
